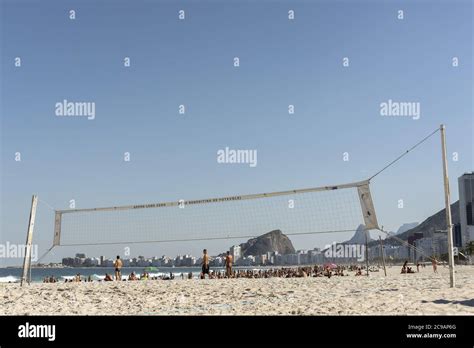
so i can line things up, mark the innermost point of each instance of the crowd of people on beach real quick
(284, 272)
(327, 270)
(406, 269)
(288, 272)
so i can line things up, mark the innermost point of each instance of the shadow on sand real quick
(469, 303)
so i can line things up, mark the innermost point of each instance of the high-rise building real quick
(411, 240)
(466, 205)
(236, 253)
(457, 236)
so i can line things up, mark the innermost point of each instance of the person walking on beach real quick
(118, 268)
(435, 265)
(228, 265)
(205, 265)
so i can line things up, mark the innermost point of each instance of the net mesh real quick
(327, 211)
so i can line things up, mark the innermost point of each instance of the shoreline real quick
(251, 266)
(42, 275)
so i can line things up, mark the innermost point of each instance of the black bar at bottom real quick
(189, 330)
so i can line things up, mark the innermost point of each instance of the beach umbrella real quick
(330, 265)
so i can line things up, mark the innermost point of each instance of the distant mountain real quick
(405, 227)
(268, 242)
(436, 222)
(359, 236)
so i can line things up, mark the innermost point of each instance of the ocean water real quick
(12, 275)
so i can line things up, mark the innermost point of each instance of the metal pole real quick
(367, 252)
(383, 255)
(449, 223)
(414, 252)
(29, 240)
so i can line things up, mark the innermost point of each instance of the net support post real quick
(449, 223)
(29, 240)
(367, 250)
(367, 206)
(57, 228)
(382, 253)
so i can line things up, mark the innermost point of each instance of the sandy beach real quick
(423, 293)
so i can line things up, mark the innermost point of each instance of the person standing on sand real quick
(435, 265)
(118, 268)
(228, 265)
(205, 265)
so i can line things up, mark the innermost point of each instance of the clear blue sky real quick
(191, 62)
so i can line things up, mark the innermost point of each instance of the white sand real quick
(420, 293)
